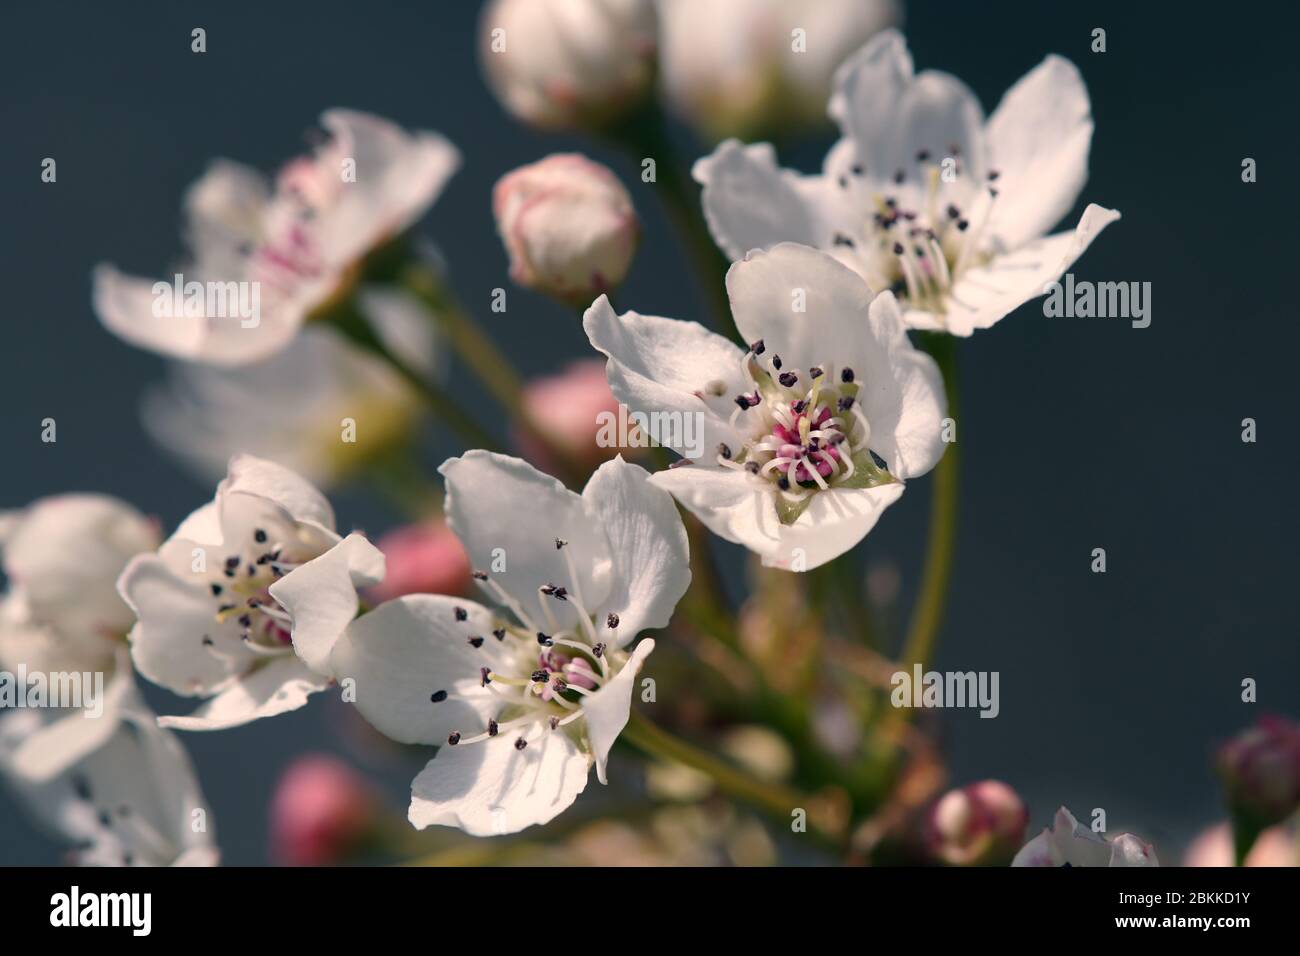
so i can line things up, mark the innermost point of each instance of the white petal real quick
(288, 405)
(72, 734)
(892, 114)
(223, 212)
(64, 555)
(175, 615)
(901, 394)
(740, 508)
(321, 596)
(983, 296)
(1128, 850)
(608, 709)
(398, 175)
(1037, 852)
(1038, 140)
(139, 779)
(647, 542)
(493, 788)
(749, 202)
(279, 485)
(663, 365)
(504, 509)
(125, 306)
(406, 650)
(278, 687)
(833, 522)
(732, 504)
(767, 288)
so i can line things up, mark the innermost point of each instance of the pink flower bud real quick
(1260, 769)
(569, 63)
(321, 811)
(982, 824)
(568, 226)
(424, 558)
(578, 414)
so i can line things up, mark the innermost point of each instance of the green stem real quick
(488, 363)
(352, 324)
(927, 614)
(775, 799)
(644, 135)
(1244, 834)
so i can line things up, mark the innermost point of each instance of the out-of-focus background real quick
(1075, 433)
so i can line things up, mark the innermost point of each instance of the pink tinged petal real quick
(891, 113)
(983, 296)
(663, 365)
(1128, 850)
(750, 202)
(282, 685)
(1038, 140)
(408, 651)
(1037, 852)
(648, 543)
(504, 510)
(494, 787)
(608, 709)
(321, 596)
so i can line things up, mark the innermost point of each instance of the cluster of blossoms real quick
(926, 217)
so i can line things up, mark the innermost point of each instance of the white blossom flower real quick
(133, 800)
(1067, 842)
(293, 406)
(921, 196)
(568, 63)
(808, 435)
(244, 602)
(523, 696)
(739, 68)
(62, 616)
(295, 244)
(568, 225)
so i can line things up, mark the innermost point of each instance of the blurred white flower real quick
(922, 196)
(290, 246)
(738, 67)
(131, 801)
(1067, 842)
(567, 63)
(523, 697)
(244, 602)
(62, 615)
(808, 435)
(568, 225)
(293, 405)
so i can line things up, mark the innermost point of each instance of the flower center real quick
(922, 234)
(551, 668)
(239, 589)
(808, 432)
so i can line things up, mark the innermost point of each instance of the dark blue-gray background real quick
(1076, 433)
